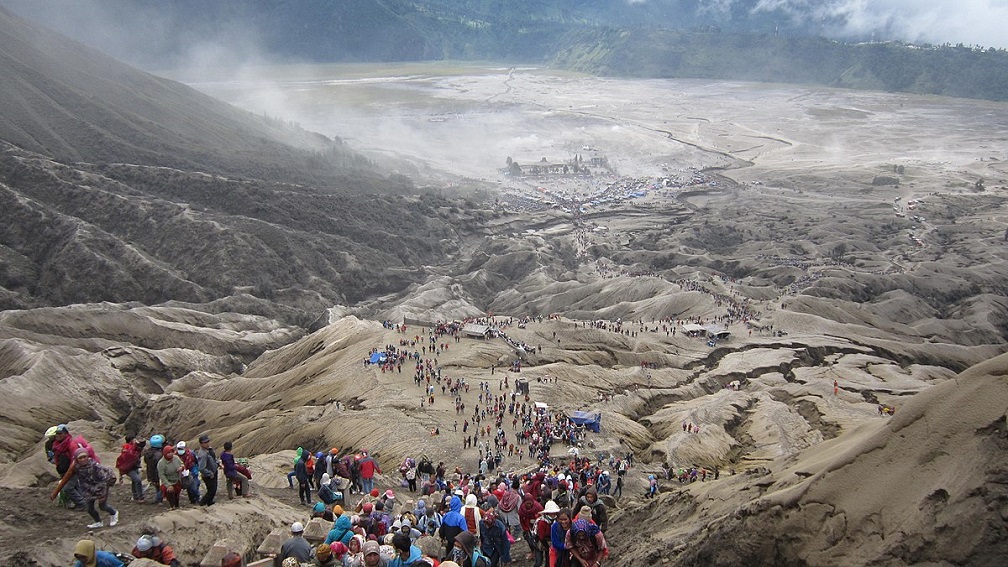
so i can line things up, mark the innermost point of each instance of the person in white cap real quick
(151, 547)
(190, 474)
(297, 546)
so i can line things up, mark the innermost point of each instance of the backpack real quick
(426, 466)
(128, 459)
(480, 560)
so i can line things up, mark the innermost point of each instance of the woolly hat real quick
(337, 510)
(374, 493)
(319, 508)
(372, 546)
(297, 528)
(368, 507)
(338, 549)
(323, 552)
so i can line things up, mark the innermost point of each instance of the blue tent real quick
(592, 421)
(378, 358)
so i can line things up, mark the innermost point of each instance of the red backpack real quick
(129, 458)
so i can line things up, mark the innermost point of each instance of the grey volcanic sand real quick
(895, 322)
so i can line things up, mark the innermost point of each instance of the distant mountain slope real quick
(949, 71)
(62, 99)
(116, 185)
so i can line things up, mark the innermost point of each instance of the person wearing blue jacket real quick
(452, 524)
(494, 541)
(342, 531)
(85, 555)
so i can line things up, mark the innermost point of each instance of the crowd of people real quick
(170, 469)
(467, 519)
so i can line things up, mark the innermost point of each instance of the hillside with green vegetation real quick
(743, 40)
(943, 70)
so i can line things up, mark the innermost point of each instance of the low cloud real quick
(971, 22)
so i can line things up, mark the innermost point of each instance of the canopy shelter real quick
(592, 421)
(692, 329)
(378, 358)
(475, 330)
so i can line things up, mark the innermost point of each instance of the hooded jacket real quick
(599, 514)
(472, 514)
(341, 531)
(453, 523)
(94, 557)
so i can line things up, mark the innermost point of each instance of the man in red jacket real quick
(367, 467)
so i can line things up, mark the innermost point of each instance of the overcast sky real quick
(972, 22)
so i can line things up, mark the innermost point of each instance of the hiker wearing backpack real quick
(495, 541)
(151, 456)
(206, 461)
(128, 464)
(452, 524)
(326, 493)
(190, 474)
(94, 481)
(64, 444)
(301, 474)
(507, 508)
(541, 534)
(598, 509)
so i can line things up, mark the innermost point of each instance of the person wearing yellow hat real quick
(86, 555)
